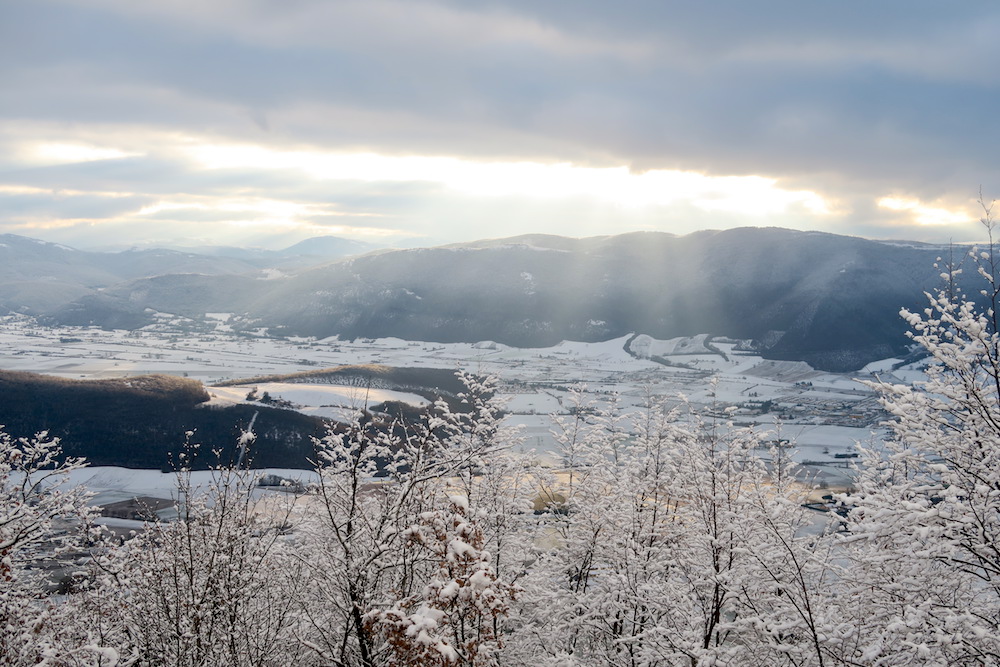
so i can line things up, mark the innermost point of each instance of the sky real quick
(421, 122)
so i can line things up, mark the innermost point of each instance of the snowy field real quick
(110, 484)
(320, 400)
(824, 414)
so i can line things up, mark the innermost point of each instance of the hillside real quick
(830, 300)
(38, 277)
(141, 422)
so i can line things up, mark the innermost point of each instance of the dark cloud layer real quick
(855, 100)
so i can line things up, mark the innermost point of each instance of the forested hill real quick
(830, 300)
(141, 422)
(37, 276)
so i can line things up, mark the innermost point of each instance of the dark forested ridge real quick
(141, 422)
(830, 300)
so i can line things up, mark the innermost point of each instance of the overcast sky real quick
(247, 122)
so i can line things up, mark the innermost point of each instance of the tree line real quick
(139, 422)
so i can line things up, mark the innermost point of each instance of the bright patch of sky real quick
(923, 214)
(49, 153)
(752, 195)
(433, 121)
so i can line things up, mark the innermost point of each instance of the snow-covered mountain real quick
(830, 300)
(38, 276)
(827, 299)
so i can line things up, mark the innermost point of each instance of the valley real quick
(823, 414)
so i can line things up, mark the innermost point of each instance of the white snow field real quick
(111, 484)
(321, 400)
(823, 413)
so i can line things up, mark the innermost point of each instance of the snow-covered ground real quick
(111, 481)
(321, 400)
(823, 413)
(111, 484)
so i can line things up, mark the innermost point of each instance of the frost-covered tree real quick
(925, 520)
(786, 610)
(379, 486)
(41, 517)
(738, 583)
(455, 618)
(640, 541)
(212, 588)
(579, 507)
(658, 547)
(499, 488)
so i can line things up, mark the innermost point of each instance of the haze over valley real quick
(830, 301)
(783, 323)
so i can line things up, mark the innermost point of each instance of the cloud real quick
(827, 106)
(925, 214)
(752, 194)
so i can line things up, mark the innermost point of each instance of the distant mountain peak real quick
(328, 246)
(835, 298)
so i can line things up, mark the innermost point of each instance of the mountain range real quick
(830, 300)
